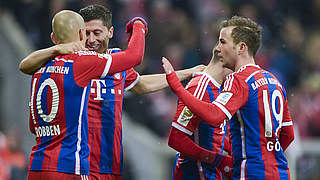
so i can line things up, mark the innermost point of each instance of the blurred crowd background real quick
(185, 31)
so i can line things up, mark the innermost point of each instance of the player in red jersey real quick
(106, 155)
(195, 140)
(59, 98)
(253, 100)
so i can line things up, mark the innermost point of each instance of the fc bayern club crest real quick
(117, 76)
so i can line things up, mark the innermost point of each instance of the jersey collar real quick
(210, 77)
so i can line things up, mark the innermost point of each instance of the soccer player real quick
(106, 94)
(252, 99)
(194, 139)
(59, 99)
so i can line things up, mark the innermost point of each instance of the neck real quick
(244, 61)
(216, 71)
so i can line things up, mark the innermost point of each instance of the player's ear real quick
(52, 38)
(242, 47)
(110, 32)
(82, 34)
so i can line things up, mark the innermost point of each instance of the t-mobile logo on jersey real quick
(98, 89)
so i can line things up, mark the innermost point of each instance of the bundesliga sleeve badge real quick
(185, 116)
(223, 98)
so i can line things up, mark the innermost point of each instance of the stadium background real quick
(184, 31)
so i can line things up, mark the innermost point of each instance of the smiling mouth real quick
(92, 48)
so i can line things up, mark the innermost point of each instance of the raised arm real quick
(210, 113)
(37, 59)
(155, 82)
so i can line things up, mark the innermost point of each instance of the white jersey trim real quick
(225, 110)
(62, 59)
(228, 83)
(249, 77)
(108, 64)
(210, 77)
(243, 136)
(84, 177)
(133, 83)
(243, 170)
(290, 123)
(77, 155)
(244, 67)
(181, 128)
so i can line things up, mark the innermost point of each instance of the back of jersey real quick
(58, 118)
(256, 126)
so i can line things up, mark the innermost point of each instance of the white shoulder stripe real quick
(198, 86)
(225, 110)
(287, 123)
(181, 128)
(249, 77)
(108, 64)
(208, 76)
(133, 83)
(202, 87)
(228, 83)
(64, 60)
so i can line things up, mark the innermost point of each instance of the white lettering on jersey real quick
(273, 146)
(99, 89)
(81, 53)
(57, 69)
(52, 130)
(185, 116)
(224, 97)
(263, 81)
(41, 70)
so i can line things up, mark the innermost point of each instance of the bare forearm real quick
(156, 82)
(35, 60)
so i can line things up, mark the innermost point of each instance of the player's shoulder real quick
(66, 57)
(202, 79)
(194, 81)
(90, 55)
(245, 72)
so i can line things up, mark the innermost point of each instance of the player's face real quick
(226, 48)
(98, 36)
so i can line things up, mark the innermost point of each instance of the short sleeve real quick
(132, 78)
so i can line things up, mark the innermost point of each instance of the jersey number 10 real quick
(55, 100)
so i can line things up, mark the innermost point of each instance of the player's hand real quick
(225, 164)
(167, 66)
(198, 68)
(70, 48)
(129, 27)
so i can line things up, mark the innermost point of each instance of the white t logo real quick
(97, 81)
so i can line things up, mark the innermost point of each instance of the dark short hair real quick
(97, 12)
(246, 30)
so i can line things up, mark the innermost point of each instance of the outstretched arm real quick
(155, 82)
(37, 59)
(210, 113)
